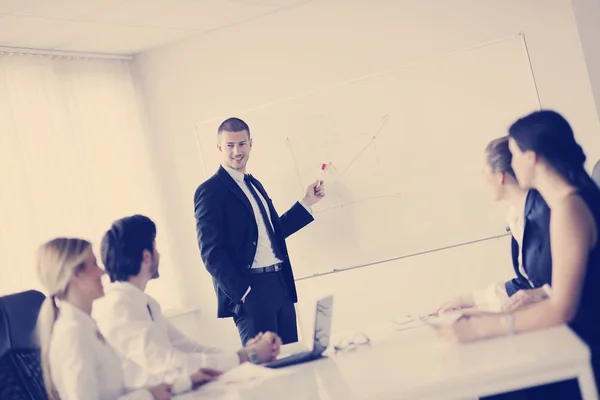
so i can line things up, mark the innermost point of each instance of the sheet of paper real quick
(246, 375)
(442, 320)
(415, 321)
(233, 382)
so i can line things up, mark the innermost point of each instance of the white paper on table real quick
(443, 320)
(245, 375)
(438, 321)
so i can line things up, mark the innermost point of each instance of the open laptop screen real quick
(323, 324)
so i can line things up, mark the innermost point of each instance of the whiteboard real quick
(407, 151)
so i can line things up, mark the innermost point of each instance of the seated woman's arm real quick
(573, 235)
(524, 297)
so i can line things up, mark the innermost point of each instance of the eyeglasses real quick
(350, 343)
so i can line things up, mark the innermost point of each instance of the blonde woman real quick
(77, 363)
(528, 219)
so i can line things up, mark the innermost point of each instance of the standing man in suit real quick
(242, 241)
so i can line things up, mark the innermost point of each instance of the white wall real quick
(587, 15)
(320, 43)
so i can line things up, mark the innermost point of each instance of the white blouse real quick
(516, 222)
(82, 365)
(494, 296)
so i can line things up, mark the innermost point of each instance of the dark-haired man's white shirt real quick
(153, 351)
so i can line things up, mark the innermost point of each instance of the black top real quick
(537, 259)
(586, 322)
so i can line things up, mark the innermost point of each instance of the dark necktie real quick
(150, 312)
(248, 179)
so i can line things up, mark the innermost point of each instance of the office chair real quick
(20, 366)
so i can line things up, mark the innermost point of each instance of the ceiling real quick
(121, 26)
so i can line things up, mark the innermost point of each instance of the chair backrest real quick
(20, 367)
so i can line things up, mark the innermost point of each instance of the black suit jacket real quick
(537, 258)
(228, 235)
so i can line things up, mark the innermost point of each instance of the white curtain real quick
(73, 158)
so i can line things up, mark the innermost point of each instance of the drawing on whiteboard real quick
(338, 181)
(289, 146)
(384, 122)
(201, 150)
(349, 203)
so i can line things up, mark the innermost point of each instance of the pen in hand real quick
(324, 167)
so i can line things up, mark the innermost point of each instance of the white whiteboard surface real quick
(407, 151)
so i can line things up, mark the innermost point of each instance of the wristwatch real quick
(253, 356)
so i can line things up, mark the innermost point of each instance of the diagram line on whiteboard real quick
(385, 119)
(339, 195)
(378, 164)
(199, 142)
(349, 203)
(336, 270)
(537, 92)
(288, 143)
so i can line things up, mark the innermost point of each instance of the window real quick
(73, 158)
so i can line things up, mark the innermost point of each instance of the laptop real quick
(322, 333)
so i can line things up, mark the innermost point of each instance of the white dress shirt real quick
(82, 364)
(152, 349)
(494, 296)
(264, 256)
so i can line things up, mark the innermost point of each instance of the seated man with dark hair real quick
(152, 349)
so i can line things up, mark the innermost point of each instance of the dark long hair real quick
(549, 135)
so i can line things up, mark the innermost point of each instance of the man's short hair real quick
(123, 245)
(233, 124)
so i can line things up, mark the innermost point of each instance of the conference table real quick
(414, 363)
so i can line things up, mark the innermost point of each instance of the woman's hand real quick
(523, 298)
(458, 303)
(471, 328)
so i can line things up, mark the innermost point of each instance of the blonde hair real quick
(57, 262)
(499, 157)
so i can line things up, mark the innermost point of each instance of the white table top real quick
(416, 364)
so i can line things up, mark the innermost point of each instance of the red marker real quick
(324, 167)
